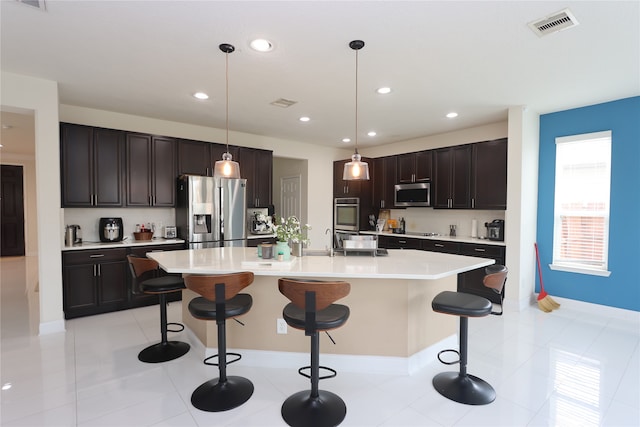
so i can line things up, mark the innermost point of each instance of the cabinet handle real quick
(158, 250)
(99, 270)
(95, 270)
(473, 203)
(382, 204)
(403, 242)
(438, 245)
(96, 256)
(480, 250)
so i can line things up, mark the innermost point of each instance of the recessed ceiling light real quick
(261, 45)
(304, 119)
(372, 133)
(383, 90)
(346, 140)
(6, 386)
(452, 114)
(201, 95)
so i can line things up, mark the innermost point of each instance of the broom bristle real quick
(547, 304)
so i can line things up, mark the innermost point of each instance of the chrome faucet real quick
(330, 247)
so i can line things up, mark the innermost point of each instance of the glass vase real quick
(284, 249)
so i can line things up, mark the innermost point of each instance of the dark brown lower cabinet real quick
(253, 243)
(471, 281)
(99, 281)
(94, 282)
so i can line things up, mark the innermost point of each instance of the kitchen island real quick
(390, 301)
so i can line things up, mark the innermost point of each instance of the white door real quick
(290, 203)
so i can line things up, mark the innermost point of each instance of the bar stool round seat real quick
(220, 301)
(146, 279)
(460, 386)
(312, 309)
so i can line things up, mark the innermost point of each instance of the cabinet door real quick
(80, 296)
(452, 176)
(423, 166)
(264, 182)
(247, 160)
(441, 187)
(163, 178)
(490, 175)
(406, 167)
(138, 170)
(108, 167)
(76, 152)
(113, 284)
(194, 157)
(471, 281)
(342, 188)
(461, 177)
(390, 174)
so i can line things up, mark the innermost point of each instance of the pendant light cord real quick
(356, 137)
(226, 56)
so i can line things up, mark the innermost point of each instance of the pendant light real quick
(227, 168)
(356, 169)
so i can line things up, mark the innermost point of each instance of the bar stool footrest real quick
(179, 327)
(449, 350)
(332, 374)
(236, 356)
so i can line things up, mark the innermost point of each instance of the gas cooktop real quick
(414, 233)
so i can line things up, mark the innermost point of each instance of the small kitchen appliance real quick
(257, 221)
(170, 232)
(495, 229)
(111, 229)
(73, 235)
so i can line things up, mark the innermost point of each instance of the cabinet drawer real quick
(389, 242)
(440, 246)
(94, 256)
(484, 251)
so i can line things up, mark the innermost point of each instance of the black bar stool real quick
(147, 279)
(220, 301)
(312, 310)
(495, 279)
(461, 386)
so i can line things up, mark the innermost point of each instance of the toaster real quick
(170, 232)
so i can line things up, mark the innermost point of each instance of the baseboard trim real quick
(51, 327)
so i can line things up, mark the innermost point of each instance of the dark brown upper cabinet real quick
(452, 177)
(414, 167)
(257, 167)
(384, 181)
(489, 176)
(194, 158)
(151, 170)
(92, 161)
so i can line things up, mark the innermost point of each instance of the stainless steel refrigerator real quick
(211, 212)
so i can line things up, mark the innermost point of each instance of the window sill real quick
(566, 268)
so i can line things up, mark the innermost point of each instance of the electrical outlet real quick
(281, 326)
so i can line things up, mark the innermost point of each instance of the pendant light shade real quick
(226, 168)
(356, 169)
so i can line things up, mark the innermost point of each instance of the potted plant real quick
(289, 233)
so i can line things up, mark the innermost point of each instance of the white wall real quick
(41, 97)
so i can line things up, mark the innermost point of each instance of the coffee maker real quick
(110, 229)
(495, 229)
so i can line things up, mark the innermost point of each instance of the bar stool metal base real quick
(467, 389)
(216, 396)
(163, 352)
(303, 410)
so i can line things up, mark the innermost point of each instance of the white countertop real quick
(399, 264)
(461, 239)
(123, 244)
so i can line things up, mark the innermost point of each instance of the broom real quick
(545, 302)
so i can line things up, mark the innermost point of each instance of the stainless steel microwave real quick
(346, 214)
(416, 194)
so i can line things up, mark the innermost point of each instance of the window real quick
(581, 210)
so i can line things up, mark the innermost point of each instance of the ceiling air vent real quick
(553, 23)
(283, 103)
(38, 4)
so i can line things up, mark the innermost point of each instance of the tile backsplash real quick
(88, 219)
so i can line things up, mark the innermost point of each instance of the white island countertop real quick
(398, 264)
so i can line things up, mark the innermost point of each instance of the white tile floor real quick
(579, 365)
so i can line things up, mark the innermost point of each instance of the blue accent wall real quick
(622, 288)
